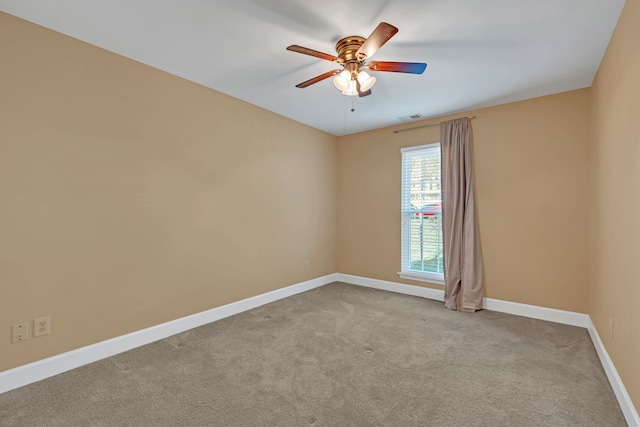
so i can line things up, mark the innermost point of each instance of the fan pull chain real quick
(344, 114)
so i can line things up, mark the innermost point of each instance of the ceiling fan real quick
(353, 52)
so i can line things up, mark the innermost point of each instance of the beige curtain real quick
(462, 257)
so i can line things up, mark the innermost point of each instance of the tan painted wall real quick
(614, 291)
(530, 162)
(131, 197)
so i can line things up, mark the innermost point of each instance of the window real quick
(422, 246)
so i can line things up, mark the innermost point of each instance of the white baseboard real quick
(45, 368)
(536, 312)
(525, 310)
(400, 288)
(629, 411)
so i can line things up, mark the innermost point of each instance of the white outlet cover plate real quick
(19, 332)
(41, 326)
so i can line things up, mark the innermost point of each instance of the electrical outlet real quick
(19, 332)
(306, 265)
(41, 326)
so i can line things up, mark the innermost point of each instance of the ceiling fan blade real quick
(307, 51)
(317, 79)
(398, 67)
(379, 37)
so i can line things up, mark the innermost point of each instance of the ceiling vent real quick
(411, 118)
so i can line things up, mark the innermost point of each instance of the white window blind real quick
(422, 246)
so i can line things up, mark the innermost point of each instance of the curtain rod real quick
(429, 125)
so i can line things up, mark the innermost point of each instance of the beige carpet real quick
(339, 355)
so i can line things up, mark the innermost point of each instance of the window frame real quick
(405, 272)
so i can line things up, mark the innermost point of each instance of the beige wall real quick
(614, 291)
(131, 197)
(530, 169)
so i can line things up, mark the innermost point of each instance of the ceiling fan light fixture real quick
(366, 81)
(352, 90)
(342, 80)
(352, 53)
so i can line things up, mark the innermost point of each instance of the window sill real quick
(423, 277)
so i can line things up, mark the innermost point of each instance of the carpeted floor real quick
(339, 355)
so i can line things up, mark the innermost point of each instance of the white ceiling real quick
(479, 53)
